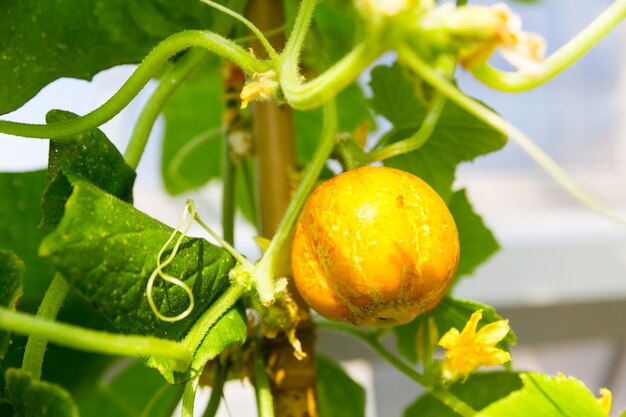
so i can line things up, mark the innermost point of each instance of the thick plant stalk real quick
(292, 381)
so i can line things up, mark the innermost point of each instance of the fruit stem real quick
(559, 60)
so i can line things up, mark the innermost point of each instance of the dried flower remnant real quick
(263, 86)
(523, 50)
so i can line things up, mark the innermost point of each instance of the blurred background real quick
(560, 276)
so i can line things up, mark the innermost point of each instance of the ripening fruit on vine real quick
(374, 246)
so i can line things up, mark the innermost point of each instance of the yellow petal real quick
(492, 333)
(495, 356)
(470, 328)
(605, 400)
(449, 339)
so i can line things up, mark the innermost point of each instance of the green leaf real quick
(393, 96)
(107, 249)
(478, 391)
(476, 240)
(451, 312)
(458, 136)
(6, 408)
(41, 41)
(192, 144)
(336, 33)
(32, 398)
(547, 396)
(337, 393)
(89, 156)
(11, 274)
(20, 215)
(133, 391)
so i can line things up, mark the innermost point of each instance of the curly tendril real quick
(188, 216)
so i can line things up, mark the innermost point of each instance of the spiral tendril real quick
(186, 221)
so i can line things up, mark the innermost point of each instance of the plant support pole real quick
(274, 136)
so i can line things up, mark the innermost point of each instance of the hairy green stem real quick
(93, 340)
(204, 323)
(418, 139)
(264, 399)
(291, 54)
(189, 397)
(267, 266)
(169, 83)
(312, 94)
(559, 60)
(498, 123)
(217, 391)
(48, 310)
(144, 72)
(371, 339)
(271, 52)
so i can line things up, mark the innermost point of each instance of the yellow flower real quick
(471, 349)
(605, 400)
(263, 86)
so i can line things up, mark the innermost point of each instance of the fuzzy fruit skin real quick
(374, 246)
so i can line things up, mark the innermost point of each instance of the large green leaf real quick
(478, 391)
(107, 249)
(33, 398)
(89, 156)
(458, 136)
(41, 41)
(193, 139)
(6, 408)
(546, 396)
(133, 391)
(477, 241)
(20, 215)
(11, 273)
(451, 312)
(337, 393)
